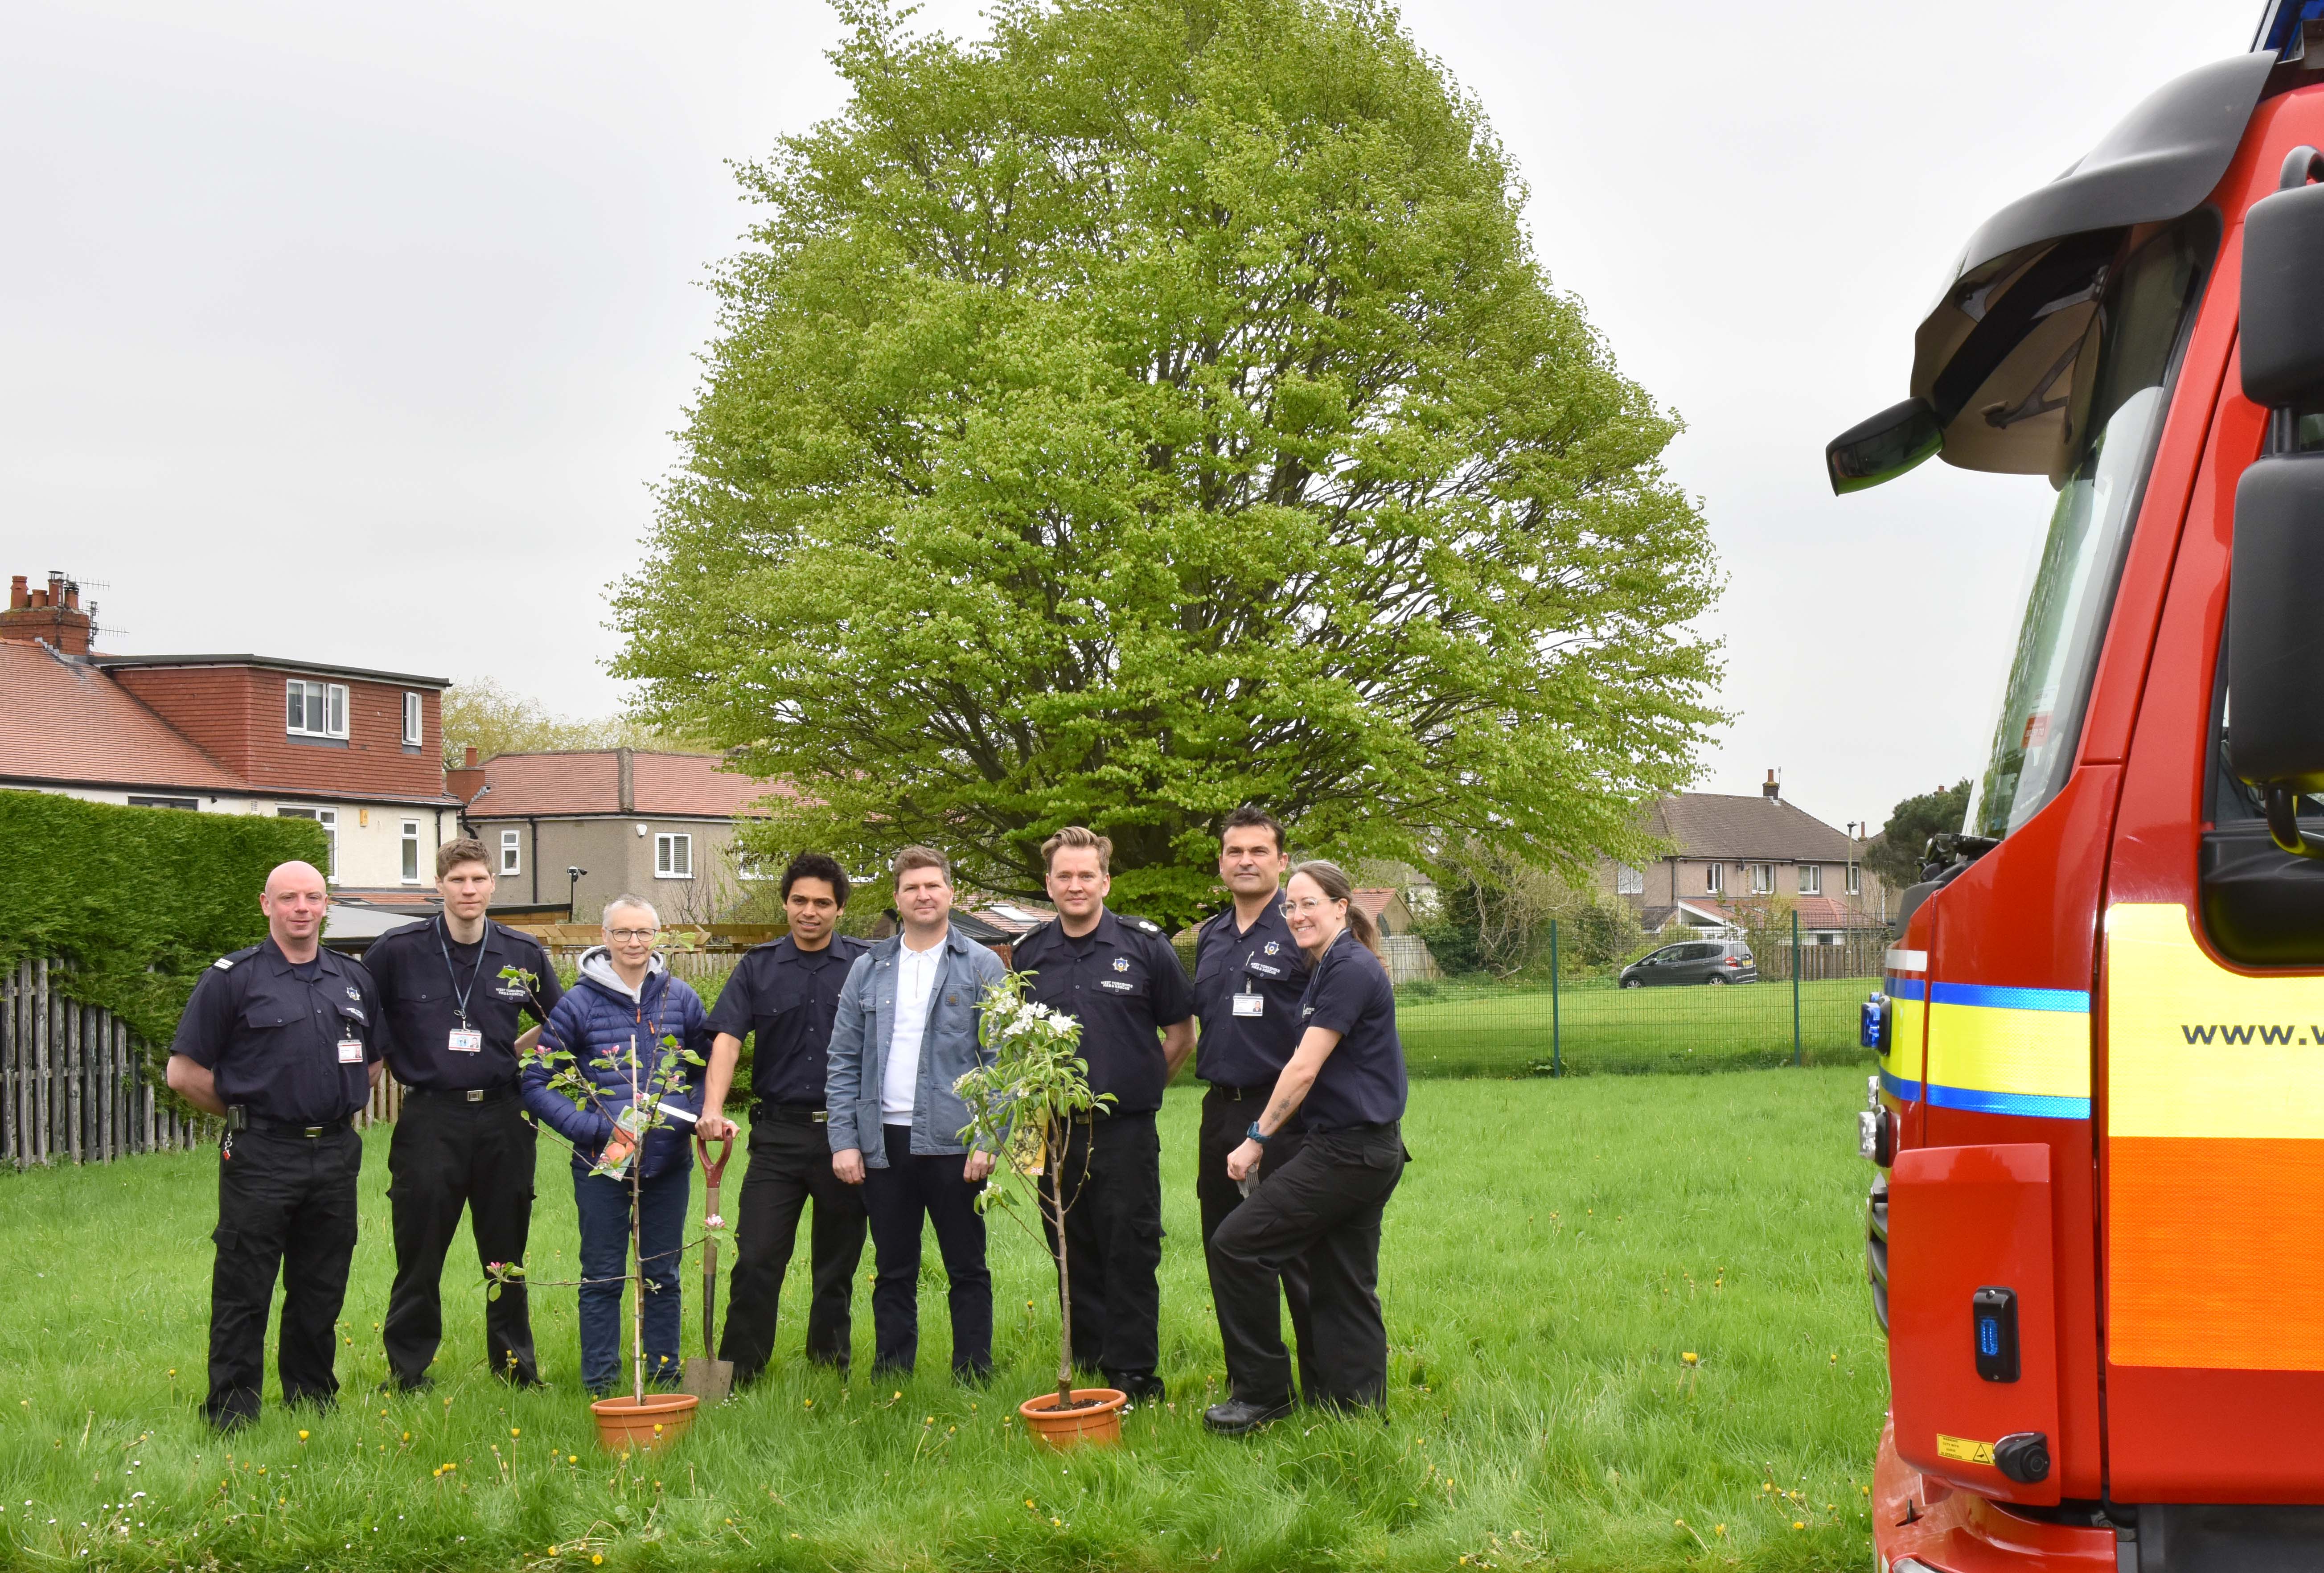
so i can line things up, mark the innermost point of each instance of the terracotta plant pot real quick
(1097, 1424)
(623, 1423)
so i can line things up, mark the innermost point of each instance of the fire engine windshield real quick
(2114, 411)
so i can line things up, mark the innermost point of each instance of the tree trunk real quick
(1065, 1295)
(637, 1244)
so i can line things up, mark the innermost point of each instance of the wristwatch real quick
(1256, 1135)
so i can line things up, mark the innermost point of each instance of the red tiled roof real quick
(1371, 903)
(62, 722)
(588, 781)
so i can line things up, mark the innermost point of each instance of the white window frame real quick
(331, 699)
(1629, 882)
(511, 852)
(414, 716)
(328, 818)
(1811, 879)
(1714, 878)
(1763, 878)
(409, 839)
(1856, 879)
(673, 855)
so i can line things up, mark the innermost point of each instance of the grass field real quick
(1556, 1251)
(1482, 1029)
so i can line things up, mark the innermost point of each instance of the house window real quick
(315, 709)
(511, 852)
(412, 851)
(673, 857)
(1811, 879)
(411, 721)
(1855, 879)
(1714, 878)
(1629, 881)
(328, 818)
(1763, 878)
(189, 804)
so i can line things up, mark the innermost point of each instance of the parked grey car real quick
(1694, 961)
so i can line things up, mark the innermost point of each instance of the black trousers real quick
(1226, 1120)
(1111, 1177)
(447, 1154)
(288, 1204)
(790, 1164)
(1325, 1205)
(911, 1188)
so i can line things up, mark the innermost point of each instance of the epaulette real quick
(1145, 926)
(226, 963)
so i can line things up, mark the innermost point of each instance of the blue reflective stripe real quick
(1908, 987)
(2073, 1000)
(2027, 1105)
(1897, 1087)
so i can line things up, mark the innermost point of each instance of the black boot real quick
(1239, 1416)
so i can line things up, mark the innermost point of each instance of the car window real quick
(1699, 952)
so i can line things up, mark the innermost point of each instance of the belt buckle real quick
(474, 1095)
(313, 1131)
(820, 1116)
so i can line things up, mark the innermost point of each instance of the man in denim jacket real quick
(905, 1033)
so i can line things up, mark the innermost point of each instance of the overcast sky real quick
(359, 333)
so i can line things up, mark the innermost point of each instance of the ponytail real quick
(1333, 881)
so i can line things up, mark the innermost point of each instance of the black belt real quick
(283, 1128)
(458, 1095)
(1241, 1094)
(1374, 1129)
(799, 1113)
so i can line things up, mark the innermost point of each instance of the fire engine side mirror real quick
(2275, 640)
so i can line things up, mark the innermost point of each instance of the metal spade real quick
(708, 1379)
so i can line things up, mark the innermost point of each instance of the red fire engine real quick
(2097, 1239)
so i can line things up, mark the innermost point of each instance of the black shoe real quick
(1136, 1390)
(397, 1386)
(1239, 1417)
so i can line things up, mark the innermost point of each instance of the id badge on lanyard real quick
(466, 1040)
(1249, 1004)
(351, 1050)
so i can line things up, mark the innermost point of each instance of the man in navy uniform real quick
(454, 1039)
(785, 995)
(1121, 978)
(280, 1039)
(1249, 976)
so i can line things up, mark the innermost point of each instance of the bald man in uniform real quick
(282, 1040)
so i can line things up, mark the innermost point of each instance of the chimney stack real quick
(52, 616)
(626, 770)
(1771, 790)
(468, 781)
(469, 760)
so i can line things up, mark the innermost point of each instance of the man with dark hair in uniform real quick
(1249, 976)
(1121, 980)
(281, 1039)
(785, 995)
(454, 1041)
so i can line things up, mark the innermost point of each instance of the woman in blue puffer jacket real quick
(626, 999)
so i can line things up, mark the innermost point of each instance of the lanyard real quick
(460, 995)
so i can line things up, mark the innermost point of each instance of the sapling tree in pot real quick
(651, 1071)
(1022, 1106)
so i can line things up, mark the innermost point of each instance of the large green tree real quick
(1156, 406)
(1902, 843)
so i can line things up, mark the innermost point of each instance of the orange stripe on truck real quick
(2212, 1253)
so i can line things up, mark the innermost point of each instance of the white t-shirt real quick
(916, 980)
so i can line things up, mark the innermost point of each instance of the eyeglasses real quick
(632, 936)
(1312, 904)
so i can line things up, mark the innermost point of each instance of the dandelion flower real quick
(302, 1436)
(1691, 1357)
(1798, 1525)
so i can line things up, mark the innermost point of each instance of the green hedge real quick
(136, 901)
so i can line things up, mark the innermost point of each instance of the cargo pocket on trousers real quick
(225, 1239)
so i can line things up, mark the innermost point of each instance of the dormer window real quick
(317, 709)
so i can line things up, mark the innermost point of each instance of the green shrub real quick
(135, 902)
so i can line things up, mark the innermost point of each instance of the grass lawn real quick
(1482, 1029)
(1556, 1250)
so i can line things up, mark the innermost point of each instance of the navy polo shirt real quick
(1247, 1051)
(424, 978)
(1123, 982)
(1362, 1082)
(269, 1032)
(787, 998)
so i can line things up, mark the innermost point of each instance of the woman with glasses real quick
(1346, 1083)
(612, 1022)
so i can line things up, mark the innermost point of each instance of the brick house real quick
(354, 750)
(1725, 850)
(660, 825)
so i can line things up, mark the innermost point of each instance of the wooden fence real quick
(80, 1087)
